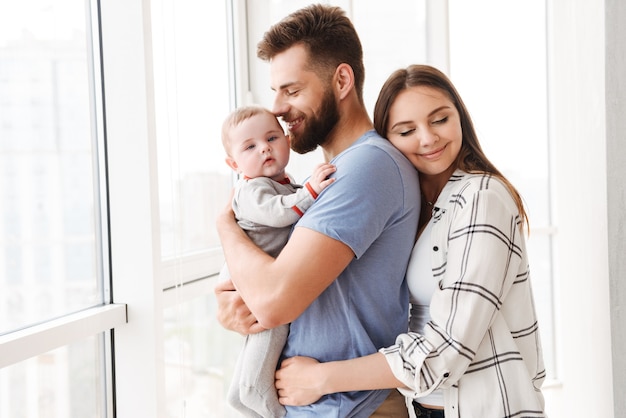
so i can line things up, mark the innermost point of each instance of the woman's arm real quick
(303, 380)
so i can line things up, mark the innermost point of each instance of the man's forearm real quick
(240, 253)
(278, 290)
(235, 241)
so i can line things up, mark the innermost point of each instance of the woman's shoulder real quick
(467, 189)
(464, 183)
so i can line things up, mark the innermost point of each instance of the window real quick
(53, 254)
(192, 97)
(64, 382)
(50, 197)
(193, 89)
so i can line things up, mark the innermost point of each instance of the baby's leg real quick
(234, 395)
(257, 390)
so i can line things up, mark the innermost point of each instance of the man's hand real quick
(232, 312)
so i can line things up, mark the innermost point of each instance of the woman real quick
(473, 346)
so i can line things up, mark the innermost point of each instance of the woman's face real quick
(425, 126)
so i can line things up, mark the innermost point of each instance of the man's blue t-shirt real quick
(373, 207)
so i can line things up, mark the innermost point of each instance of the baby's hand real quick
(319, 179)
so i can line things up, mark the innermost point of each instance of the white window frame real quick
(145, 282)
(23, 344)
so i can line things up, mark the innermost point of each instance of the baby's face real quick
(259, 148)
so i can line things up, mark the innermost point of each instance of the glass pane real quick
(192, 98)
(199, 360)
(66, 382)
(48, 233)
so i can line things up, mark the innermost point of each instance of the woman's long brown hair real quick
(471, 157)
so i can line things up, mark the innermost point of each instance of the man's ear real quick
(344, 78)
(232, 164)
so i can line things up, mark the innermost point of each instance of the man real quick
(339, 280)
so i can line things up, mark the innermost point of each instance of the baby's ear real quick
(232, 164)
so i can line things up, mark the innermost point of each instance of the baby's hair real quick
(237, 116)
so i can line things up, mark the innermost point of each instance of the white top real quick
(422, 284)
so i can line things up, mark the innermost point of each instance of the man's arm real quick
(232, 312)
(278, 290)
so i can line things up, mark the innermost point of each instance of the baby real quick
(266, 204)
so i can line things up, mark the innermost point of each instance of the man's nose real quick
(280, 106)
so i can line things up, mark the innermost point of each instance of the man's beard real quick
(317, 127)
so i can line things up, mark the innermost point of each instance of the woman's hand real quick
(232, 311)
(299, 381)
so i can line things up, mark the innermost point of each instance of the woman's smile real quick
(433, 155)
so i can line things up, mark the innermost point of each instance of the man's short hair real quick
(328, 36)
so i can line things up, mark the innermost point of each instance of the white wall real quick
(577, 115)
(615, 15)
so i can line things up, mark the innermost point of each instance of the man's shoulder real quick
(371, 139)
(373, 149)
